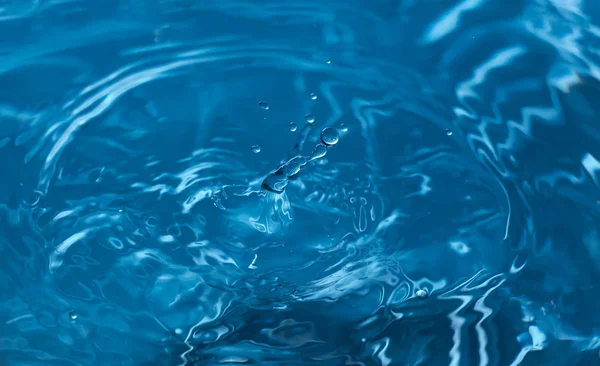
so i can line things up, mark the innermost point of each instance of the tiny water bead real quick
(422, 293)
(448, 132)
(309, 118)
(293, 126)
(329, 136)
(264, 105)
(73, 315)
(313, 96)
(255, 149)
(278, 180)
(318, 152)
(343, 127)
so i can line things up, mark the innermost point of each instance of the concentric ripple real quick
(382, 182)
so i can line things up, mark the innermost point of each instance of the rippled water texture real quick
(170, 194)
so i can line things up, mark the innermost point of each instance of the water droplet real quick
(352, 200)
(178, 331)
(318, 152)
(363, 201)
(73, 315)
(255, 149)
(422, 293)
(343, 128)
(328, 62)
(329, 136)
(264, 105)
(121, 210)
(309, 118)
(448, 132)
(293, 126)
(363, 340)
(313, 96)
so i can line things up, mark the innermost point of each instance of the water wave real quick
(454, 222)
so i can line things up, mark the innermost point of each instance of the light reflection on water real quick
(434, 201)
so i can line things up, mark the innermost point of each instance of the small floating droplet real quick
(422, 293)
(328, 62)
(343, 128)
(448, 132)
(264, 105)
(293, 126)
(313, 96)
(255, 149)
(178, 331)
(310, 118)
(363, 201)
(318, 152)
(73, 315)
(329, 136)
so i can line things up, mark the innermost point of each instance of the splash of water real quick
(433, 233)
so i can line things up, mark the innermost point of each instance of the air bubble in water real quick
(264, 105)
(329, 136)
(448, 132)
(310, 118)
(255, 149)
(293, 127)
(313, 96)
(343, 128)
(422, 293)
(73, 315)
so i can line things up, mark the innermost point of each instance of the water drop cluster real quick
(278, 180)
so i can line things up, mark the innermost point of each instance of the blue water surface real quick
(300, 182)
